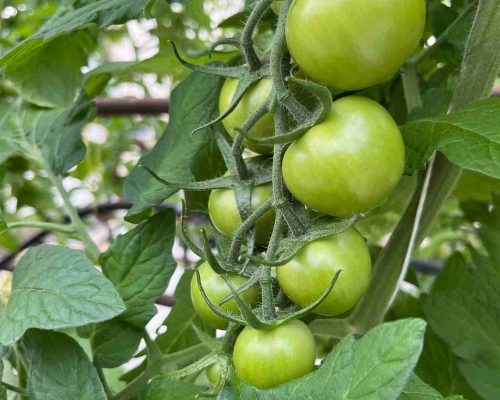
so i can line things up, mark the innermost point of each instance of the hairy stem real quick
(256, 15)
(239, 235)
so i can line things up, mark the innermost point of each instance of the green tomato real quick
(308, 275)
(266, 359)
(348, 163)
(216, 290)
(213, 373)
(252, 100)
(225, 216)
(354, 44)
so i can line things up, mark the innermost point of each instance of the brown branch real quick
(131, 106)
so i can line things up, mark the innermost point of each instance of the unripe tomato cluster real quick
(345, 165)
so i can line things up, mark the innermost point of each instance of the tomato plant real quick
(216, 289)
(270, 358)
(306, 277)
(359, 147)
(332, 49)
(148, 253)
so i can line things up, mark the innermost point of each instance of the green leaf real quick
(180, 324)
(54, 134)
(56, 287)
(58, 368)
(69, 19)
(466, 314)
(164, 388)
(207, 165)
(416, 389)
(438, 367)
(140, 264)
(97, 79)
(469, 138)
(374, 367)
(180, 333)
(114, 342)
(194, 103)
(50, 75)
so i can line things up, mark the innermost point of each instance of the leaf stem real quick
(102, 378)
(80, 228)
(163, 365)
(16, 389)
(47, 226)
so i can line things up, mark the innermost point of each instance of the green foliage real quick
(418, 390)
(181, 321)
(194, 103)
(55, 287)
(464, 312)
(468, 138)
(58, 368)
(160, 387)
(52, 137)
(140, 264)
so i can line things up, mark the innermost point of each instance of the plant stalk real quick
(46, 226)
(81, 230)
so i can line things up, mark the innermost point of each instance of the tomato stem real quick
(91, 248)
(249, 52)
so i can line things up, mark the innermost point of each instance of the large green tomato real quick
(308, 275)
(216, 290)
(354, 44)
(224, 214)
(253, 99)
(266, 359)
(348, 163)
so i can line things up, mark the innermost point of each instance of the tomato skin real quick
(266, 359)
(224, 214)
(348, 163)
(253, 99)
(213, 373)
(308, 275)
(216, 289)
(355, 44)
